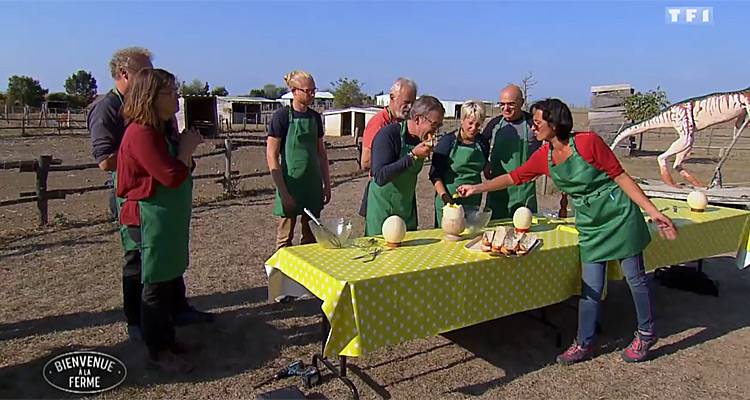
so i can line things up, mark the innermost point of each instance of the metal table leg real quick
(339, 373)
(686, 278)
(543, 320)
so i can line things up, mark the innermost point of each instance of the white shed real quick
(345, 121)
(240, 109)
(323, 100)
(382, 100)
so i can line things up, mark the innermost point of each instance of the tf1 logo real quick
(690, 15)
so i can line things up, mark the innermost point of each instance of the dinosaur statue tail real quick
(660, 121)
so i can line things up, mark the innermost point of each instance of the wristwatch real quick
(412, 155)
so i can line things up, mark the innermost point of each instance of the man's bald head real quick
(511, 101)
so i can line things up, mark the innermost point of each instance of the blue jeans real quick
(589, 306)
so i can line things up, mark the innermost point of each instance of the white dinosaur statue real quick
(687, 117)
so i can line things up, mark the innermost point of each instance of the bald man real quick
(512, 142)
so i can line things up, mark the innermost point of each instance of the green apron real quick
(610, 225)
(300, 167)
(465, 165)
(508, 154)
(165, 230)
(395, 197)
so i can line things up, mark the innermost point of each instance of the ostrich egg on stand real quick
(697, 201)
(394, 230)
(522, 219)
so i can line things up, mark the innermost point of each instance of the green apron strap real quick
(118, 94)
(505, 156)
(465, 168)
(300, 167)
(610, 225)
(165, 230)
(396, 197)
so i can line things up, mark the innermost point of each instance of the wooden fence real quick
(45, 164)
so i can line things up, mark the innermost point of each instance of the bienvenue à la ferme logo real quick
(84, 372)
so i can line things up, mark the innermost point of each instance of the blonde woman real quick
(296, 156)
(459, 159)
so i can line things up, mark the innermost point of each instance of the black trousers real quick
(158, 304)
(133, 289)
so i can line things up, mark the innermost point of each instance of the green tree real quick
(639, 106)
(25, 90)
(58, 96)
(269, 91)
(347, 93)
(220, 91)
(196, 87)
(273, 92)
(81, 87)
(257, 93)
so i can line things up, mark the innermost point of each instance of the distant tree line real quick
(81, 90)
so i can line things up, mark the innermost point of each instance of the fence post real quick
(23, 125)
(710, 136)
(227, 165)
(42, 170)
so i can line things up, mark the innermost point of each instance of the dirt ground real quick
(61, 290)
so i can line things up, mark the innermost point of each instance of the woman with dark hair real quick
(154, 179)
(607, 216)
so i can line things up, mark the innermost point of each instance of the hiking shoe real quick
(192, 316)
(134, 332)
(169, 362)
(183, 346)
(576, 353)
(639, 348)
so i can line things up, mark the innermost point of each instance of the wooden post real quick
(42, 170)
(23, 125)
(710, 137)
(227, 165)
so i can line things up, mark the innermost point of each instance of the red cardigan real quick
(143, 162)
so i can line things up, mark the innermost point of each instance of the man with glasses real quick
(512, 143)
(403, 94)
(297, 159)
(107, 127)
(398, 154)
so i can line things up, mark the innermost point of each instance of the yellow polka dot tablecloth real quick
(430, 286)
(717, 230)
(427, 286)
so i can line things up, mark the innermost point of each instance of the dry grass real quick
(61, 290)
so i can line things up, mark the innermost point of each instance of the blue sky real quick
(453, 49)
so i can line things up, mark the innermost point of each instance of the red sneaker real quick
(639, 348)
(576, 353)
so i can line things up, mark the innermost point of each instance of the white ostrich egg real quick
(394, 229)
(697, 200)
(453, 211)
(522, 218)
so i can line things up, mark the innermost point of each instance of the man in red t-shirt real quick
(403, 94)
